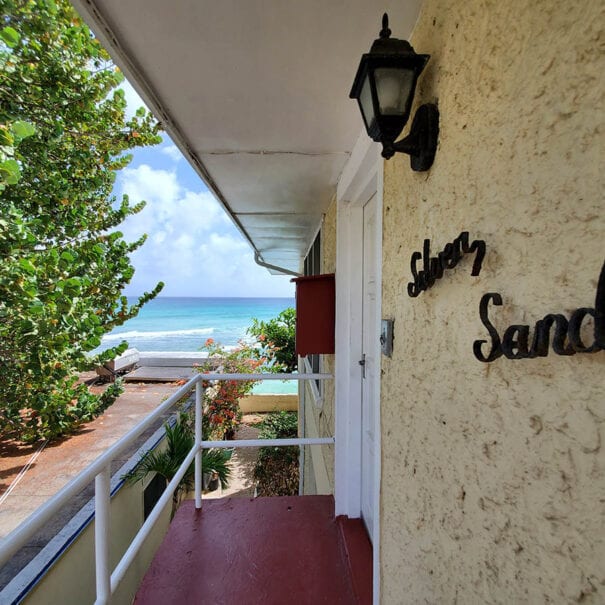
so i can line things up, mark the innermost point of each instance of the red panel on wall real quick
(315, 314)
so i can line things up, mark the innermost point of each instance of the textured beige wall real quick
(328, 240)
(493, 485)
(321, 424)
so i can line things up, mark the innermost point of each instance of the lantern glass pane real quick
(365, 101)
(393, 87)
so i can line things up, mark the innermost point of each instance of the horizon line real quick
(195, 296)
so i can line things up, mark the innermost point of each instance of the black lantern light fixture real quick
(384, 88)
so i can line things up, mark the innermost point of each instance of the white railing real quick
(106, 580)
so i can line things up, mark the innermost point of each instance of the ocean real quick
(184, 324)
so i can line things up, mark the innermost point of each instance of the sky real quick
(192, 245)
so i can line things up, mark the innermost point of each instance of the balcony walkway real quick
(265, 550)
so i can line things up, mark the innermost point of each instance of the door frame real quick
(361, 178)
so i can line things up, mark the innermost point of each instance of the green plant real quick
(276, 470)
(64, 135)
(279, 425)
(276, 338)
(217, 461)
(166, 462)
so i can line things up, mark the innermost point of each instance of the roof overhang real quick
(255, 95)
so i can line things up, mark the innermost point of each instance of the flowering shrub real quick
(221, 401)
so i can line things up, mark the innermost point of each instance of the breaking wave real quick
(158, 334)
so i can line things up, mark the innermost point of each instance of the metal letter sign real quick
(434, 268)
(566, 337)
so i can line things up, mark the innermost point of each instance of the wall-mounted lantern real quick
(384, 88)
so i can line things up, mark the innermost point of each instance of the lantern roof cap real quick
(390, 52)
(385, 45)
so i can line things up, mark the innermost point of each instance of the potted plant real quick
(216, 468)
(166, 462)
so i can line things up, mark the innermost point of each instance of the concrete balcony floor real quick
(264, 550)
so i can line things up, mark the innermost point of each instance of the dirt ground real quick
(241, 483)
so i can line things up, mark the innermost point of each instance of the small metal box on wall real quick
(315, 314)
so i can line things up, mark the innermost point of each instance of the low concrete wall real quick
(72, 578)
(252, 404)
(172, 359)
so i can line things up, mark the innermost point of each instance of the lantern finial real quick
(385, 32)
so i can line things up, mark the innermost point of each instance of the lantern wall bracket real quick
(384, 87)
(421, 142)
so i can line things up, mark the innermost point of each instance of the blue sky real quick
(192, 245)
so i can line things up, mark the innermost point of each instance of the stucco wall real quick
(320, 421)
(493, 475)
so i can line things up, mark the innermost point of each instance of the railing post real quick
(102, 504)
(199, 397)
(302, 387)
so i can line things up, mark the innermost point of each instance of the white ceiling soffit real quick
(255, 94)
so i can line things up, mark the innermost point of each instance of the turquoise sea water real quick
(184, 324)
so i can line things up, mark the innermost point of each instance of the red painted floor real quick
(260, 551)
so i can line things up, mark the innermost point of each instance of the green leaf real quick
(22, 130)
(51, 6)
(10, 36)
(10, 172)
(67, 256)
(6, 138)
(92, 343)
(27, 266)
(36, 307)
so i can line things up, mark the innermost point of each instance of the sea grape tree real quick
(63, 265)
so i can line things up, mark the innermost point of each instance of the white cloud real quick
(192, 245)
(172, 151)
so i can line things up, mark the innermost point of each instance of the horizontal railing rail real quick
(269, 442)
(107, 581)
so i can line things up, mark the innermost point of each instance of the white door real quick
(370, 361)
